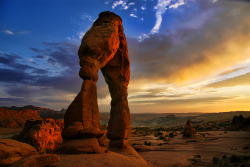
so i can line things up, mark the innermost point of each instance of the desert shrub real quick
(224, 157)
(171, 135)
(234, 159)
(159, 133)
(147, 143)
(245, 148)
(215, 160)
(160, 144)
(161, 137)
(197, 156)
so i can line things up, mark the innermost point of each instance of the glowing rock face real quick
(103, 47)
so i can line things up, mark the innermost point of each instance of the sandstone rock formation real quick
(103, 47)
(16, 118)
(44, 135)
(122, 158)
(189, 131)
(240, 123)
(12, 151)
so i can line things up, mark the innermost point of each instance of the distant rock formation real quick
(240, 123)
(44, 135)
(17, 154)
(16, 118)
(44, 112)
(189, 131)
(103, 47)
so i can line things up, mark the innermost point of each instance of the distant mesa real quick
(10, 118)
(189, 131)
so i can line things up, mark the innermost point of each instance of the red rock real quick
(91, 133)
(81, 146)
(103, 47)
(12, 151)
(44, 135)
(189, 131)
(37, 161)
(16, 118)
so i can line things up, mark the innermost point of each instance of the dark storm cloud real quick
(23, 81)
(12, 70)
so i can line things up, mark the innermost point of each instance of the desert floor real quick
(216, 148)
(213, 148)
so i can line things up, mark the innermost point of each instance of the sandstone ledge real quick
(122, 158)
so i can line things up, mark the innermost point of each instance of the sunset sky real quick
(186, 55)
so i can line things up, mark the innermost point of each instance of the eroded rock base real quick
(81, 146)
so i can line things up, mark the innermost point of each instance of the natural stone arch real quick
(103, 47)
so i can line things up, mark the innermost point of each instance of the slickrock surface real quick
(116, 158)
(44, 135)
(11, 151)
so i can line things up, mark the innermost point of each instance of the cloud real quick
(23, 32)
(84, 23)
(8, 32)
(217, 46)
(133, 15)
(176, 5)
(55, 84)
(87, 17)
(161, 9)
(231, 71)
(123, 4)
(143, 8)
(231, 82)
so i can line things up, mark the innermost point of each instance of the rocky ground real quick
(215, 148)
(168, 148)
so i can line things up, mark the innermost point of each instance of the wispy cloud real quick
(133, 15)
(23, 32)
(123, 4)
(8, 32)
(87, 17)
(143, 8)
(176, 5)
(161, 9)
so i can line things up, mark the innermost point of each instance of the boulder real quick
(44, 135)
(12, 151)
